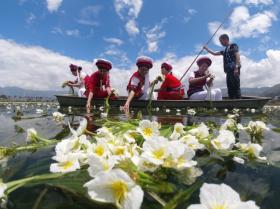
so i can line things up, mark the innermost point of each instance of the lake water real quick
(258, 182)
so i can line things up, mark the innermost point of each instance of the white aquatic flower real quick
(225, 110)
(101, 108)
(3, 187)
(31, 135)
(81, 129)
(79, 143)
(157, 109)
(104, 115)
(120, 152)
(180, 156)
(39, 111)
(201, 132)
(155, 150)
(179, 128)
(97, 164)
(100, 149)
(67, 164)
(191, 112)
(130, 136)
(238, 160)
(253, 110)
(229, 124)
(174, 135)
(115, 187)
(256, 128)
(148, 129)
(57, 116)
(144, 165)
(215, 196)
(252, 149)
(167, 110)
(63, 147)
(69, 109)
(192, 142)
(178, 131)
(106, 133)
(224, 141)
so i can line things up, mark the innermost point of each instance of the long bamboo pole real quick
(205, 44)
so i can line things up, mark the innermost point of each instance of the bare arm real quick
(109, 90)
(211, 52)
(88, 106)
(195, 80)
(129, 98)
(238, 64)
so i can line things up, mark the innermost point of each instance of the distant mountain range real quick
(19, 92)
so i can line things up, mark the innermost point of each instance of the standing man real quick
(232, 65)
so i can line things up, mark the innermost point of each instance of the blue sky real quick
(121, 30)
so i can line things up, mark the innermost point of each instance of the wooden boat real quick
(245, 102)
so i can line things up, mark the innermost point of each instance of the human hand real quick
(126, 107)
(88, 107)
(236, 72)
(205, 47)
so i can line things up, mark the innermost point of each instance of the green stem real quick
(39, 199)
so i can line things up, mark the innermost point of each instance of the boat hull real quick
(245, 102)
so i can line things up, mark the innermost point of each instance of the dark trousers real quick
(233, 85)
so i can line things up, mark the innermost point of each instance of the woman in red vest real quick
(200, 78)
(98, 85)
(139, 83)
(171, 88)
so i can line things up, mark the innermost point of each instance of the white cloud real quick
(153, 36)
(128, 10)
(131, 27)
(53, 5)
(30, 19)
(72, 32)
(115, 41)
(253, 2)
(89, 14)
(34, 67)
(192, 11)
(244, 25)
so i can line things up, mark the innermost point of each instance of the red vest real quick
(136, 88)
(97, 82)
(198, 86)
(170, 83)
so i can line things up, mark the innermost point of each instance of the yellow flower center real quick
(67, 165)
(120, 190)
(76, 145)
(119, 151)
(181, 160)
(105, 166)
(217, 143)
(158, 154)
(147, 131)
(178, 130)
(220, 207)
(99, 150)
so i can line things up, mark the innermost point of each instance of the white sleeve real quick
(135, 81)
(191, 75)
(83, 75)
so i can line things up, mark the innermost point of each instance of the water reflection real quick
(260, 183)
